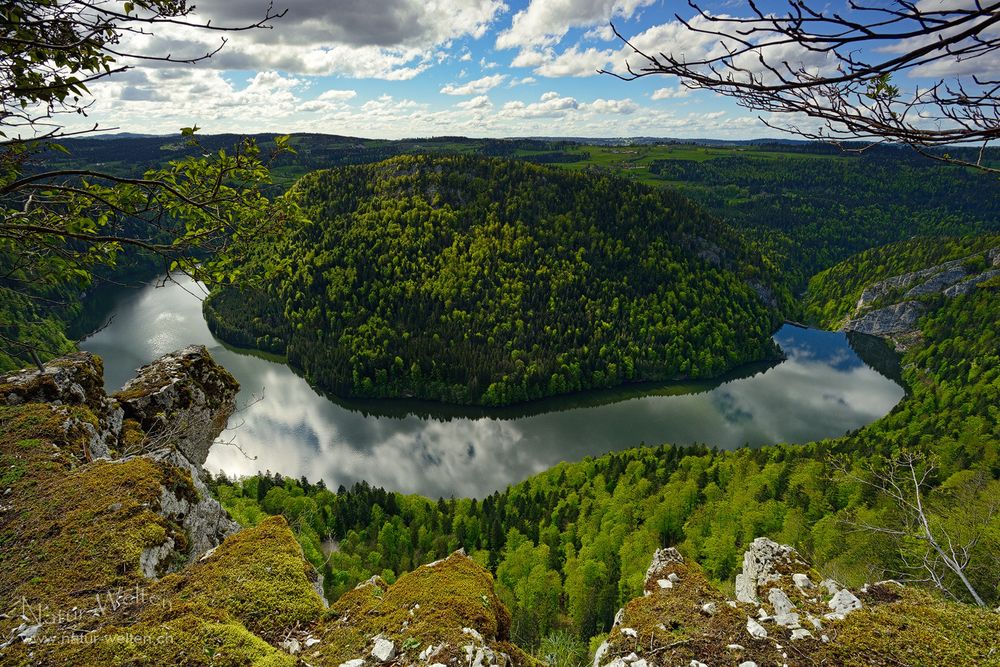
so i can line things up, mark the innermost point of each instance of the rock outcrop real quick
(892, 307)
(784, 614)
(183, 399)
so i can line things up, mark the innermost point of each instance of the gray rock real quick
(661, 560)
(800, 633)
(842, 604)
(759, 567)
(384, 650)
(75, 379)
(206, 522)
(357, 662)
(600, 652)
(899, 318)
(779, 602)
(710, 609)
(967, 286)
(755, 629)
(291, 645)
(802, 581)
(938, 282)
(183, 400)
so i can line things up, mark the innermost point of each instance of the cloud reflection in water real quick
(823, 389)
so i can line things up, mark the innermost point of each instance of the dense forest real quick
(813, 212)
(570, 545)
(471, 280)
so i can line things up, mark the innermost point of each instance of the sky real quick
(418, 68)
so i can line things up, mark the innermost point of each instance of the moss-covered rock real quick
(446, 612)
(183, 399)
(786, 616)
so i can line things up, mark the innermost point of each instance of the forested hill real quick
(475, 280)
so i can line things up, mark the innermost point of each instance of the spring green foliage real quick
(833, 293)
(589, 528)
(484, 281)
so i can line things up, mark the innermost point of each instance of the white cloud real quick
(476, 87)
(480, 103)
(602, 33)
(574, 62)
(674, 93)
(546, 22)
(522, 81)
(624, 107)
(385, 39)
(551, 105)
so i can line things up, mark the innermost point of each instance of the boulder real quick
(74, 380)
(183, 399)
(764, 562)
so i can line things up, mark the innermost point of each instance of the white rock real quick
(780, 602)
(664, 583)
(758, 567)
(291, 645)
(735, 647)
(673, 578)
(731, 603)
(800, 633)
(384, 650)
(748, 663)
(661, 559)
(842, 604)
(630, 658)
(755, 629)
(824, 639)
(629, 632)
(830, 585)
(802, 581)
(310, 642)
(357, 662)
(640, 663)
(599, 653)
(619, 617)
(27, 634)
(695, 663)
(473, 633)
(710, 609)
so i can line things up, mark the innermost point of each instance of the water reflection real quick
(822, 389)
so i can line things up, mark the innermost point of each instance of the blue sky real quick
(410, 68)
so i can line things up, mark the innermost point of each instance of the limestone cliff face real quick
(891, 308)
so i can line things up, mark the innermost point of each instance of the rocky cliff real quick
(891, 308)
(114, 553)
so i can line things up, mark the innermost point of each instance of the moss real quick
(916, 629)
(188, 639)
(258, 576)
(75, 530)
(429, 606)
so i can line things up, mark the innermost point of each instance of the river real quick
(822, 389)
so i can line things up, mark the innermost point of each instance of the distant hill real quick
(473, 280)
